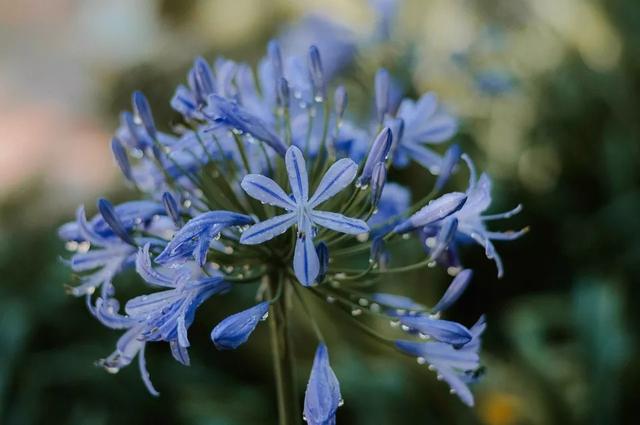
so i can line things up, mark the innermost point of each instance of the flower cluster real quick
(268, 181)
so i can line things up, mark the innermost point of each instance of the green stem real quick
(282, 350)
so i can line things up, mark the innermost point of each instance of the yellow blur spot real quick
(499, 409)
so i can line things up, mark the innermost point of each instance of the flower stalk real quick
(282, 352)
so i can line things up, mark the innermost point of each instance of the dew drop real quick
(341, 402)
(394, 323)
(406, 236)
(356, 312)
(432, 367)
(112, 369)
(430, 242)
(453, 271)
(330, 299)
(452, 391)
(363, 302)
(265, 316)
(439, 377)
(405, 328)
(71, 245)
(421, 360)
(375, 307)
(431, 264)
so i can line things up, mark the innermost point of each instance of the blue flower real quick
(322, 397)
(457, 366)
(425, 122)
(194, 239)
(129, 345)
(236, 329)
(471, 222)
(104, 263)
(168, 314)
(301, 210)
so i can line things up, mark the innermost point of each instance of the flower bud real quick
(120, 155)
(143, 111)
(171, 206)
(378, 153)
(378, 179)
(236, 329)
(110, 217)
(340, 99)
(316, 74)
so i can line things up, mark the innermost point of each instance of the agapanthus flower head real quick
(274, 184)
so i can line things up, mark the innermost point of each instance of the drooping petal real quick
(297, 172)
(442, 330)
(322, 397)
(337, 177)
(148, 273)
(306, 264)
(144, 373)
(268, 229)
(179, 353)
(236, 329)
(339, 222)
(266, 190)
(454, 291)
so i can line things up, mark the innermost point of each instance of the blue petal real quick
(423, 156)
(144, 373)
(179, 353)
(337, 177)
(120, 155)
(317, 74)
(147, 272)
(396, 301)
(268, 229)
(234, 116)
(297, 171)
(435, 210)
(110, 217)
(378, 153)
(322, 397)
(339, 222)
(266, 190)
(442, 330)
(142, 109)
(306, 264)
(236, 329)
(454, 291)
(449, 162)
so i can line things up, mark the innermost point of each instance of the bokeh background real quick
(549, 94)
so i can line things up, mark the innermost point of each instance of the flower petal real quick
(442, 330)
(339, 222)
(268, 229)
(322, 398)
(305, 259)
(266, 190)
(236, 329)
(337, 177)
(435, 210)
(455, 289)
(297, 171)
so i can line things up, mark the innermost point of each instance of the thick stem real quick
(282, 351)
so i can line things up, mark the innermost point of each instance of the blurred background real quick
(549, 95)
